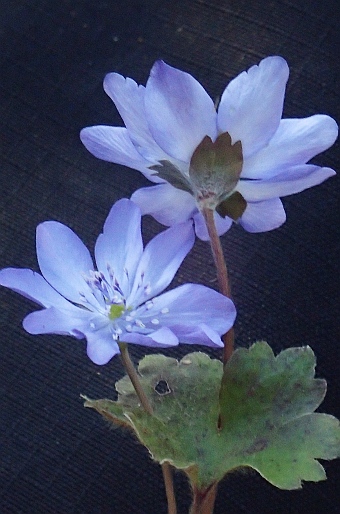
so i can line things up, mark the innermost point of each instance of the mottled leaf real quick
(262, 416)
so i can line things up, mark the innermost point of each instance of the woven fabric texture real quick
(55, 456)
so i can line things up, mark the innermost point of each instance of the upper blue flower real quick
(169, 118)
(117, 301)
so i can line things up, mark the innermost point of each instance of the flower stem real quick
(133, 375)
(203, 501)
(169, 487)
(222, 276)
(166, 468)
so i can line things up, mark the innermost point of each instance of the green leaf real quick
(268, 402)
(261, 416)
(169, 172)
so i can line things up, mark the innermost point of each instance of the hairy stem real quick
(169, 487)
(133, 375)
(222, 276)
(166, 468)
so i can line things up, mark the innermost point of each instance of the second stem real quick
(222, 276)
(166, 468)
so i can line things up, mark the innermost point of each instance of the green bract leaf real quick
(262, 415)
(169, 172)
(233, 206)
(215, 169)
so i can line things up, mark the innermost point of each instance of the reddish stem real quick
(166, 468)
(203, 500)
(222, 276)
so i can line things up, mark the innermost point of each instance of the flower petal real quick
(101, 347)
(73, 321)
(120, 245)
(63, 259)
(160, 338)
(263, 216)
(179, 111)
(113, 144)
(251, 105)
(292, 180)
(199, 334)
(129, 100)
(222, 225)
(194, 313)
(160, 260)
(295, 142)
(32, 286)
(167, 204)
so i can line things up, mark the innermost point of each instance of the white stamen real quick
(128, 328)
(165, 310)
(155, 321)
(128, 318)
(139, 323)
(92, 325)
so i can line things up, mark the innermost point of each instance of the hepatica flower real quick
(119, 299)
(239, 159)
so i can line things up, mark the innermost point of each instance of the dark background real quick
(55, 456)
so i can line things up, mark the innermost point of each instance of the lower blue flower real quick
(120, 299)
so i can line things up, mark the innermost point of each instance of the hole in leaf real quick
(162, 388)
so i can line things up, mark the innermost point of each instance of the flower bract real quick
(239, 159)
(119, 299)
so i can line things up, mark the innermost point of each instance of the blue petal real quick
(160, 261)
(160, 338)
(291, 181)
(195, 314)
(63, 259)
(78, 323)
(113, 144)
(251, 105)
(74, 321)
(129, 100)
(165, 203)
(179, 111)
(263, 216)
(295, 142)
(33, 286)
(101, 347)
(120, 245)
(222, 225)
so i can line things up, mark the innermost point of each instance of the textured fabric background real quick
(55, 456)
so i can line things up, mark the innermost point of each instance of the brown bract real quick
(215, 170)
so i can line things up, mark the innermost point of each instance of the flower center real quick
(105, 295)
(116, 310)
(106, 299)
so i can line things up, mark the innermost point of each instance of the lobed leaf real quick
(258, 412)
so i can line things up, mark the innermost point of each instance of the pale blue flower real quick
(170, 117)
(118, 299)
